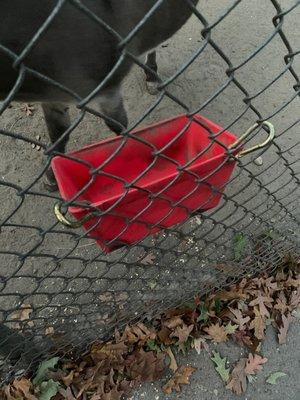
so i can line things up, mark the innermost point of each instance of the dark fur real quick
(78, 53)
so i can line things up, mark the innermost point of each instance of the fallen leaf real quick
(199, 344)
(221, 366)
(23, 389)
(23, 315)
(272, 379)
(173, 322)
(281, 303)
(181, 377)
(49, 331)
(67, 380)
(28, 109)
(283, 330)
(238, 378)
(262, 302)
(240, 243)
(254, 364)
(296, 313)
(182, 333)
(238, 317)
(258, 324)
(48, 390)
(242, 338)
(148, 259)
(230, 329)
(164, 336)
(295, 298)
(232, 294)
(217, 332)
(203, 313)
(173, 364)
(145, 366)
(138, 333)
(43, 369)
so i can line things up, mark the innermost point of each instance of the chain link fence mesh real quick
(234, 62)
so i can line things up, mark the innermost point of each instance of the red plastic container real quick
(131, 213)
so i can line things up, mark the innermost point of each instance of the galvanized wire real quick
(75, 296)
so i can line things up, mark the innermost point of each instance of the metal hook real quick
(258, 146)
(70, 223)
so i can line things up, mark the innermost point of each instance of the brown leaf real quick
(199, 344)
(49, 331)
(145, 366)
(281, 303)
(181, 377)
(23, 387)
(295, 298)
(67, 380)
(258, 324)
(173, 322)
(164, 336)
(109, 351)
(173, 363)
(254, 364)
(238, 317)
(271, 285)
(28, 109)
(238, 378)
(262, 301)
(182, 333)
(231, 294)
(217, 332)
(242, 338)
(148, 259)
(283, 330)
(23, 315)
(114, 394)
(291, 282)
(138, 333)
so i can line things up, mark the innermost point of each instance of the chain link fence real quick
(235, 63)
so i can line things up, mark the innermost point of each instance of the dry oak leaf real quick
(199, 344)
(258, 324)
(254, 364)
(291, 282)
(173, 322)
(108, 351)
(164, 336)
(173, 363)
(28, 109)
(145, 366)
(238, 378)
(138, 333)
(262, 302)
(232, 294)
(182, 333)
(217, 333)
(181, 377)
(242, 338)
(22, 389)
(281, 303)
(238, 317)
(148, 259)
(283, 330)
(295, 298)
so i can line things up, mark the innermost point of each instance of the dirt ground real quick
(67, 281)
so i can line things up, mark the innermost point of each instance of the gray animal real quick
(79, 53)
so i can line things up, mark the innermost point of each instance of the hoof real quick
(152, 87)
(50, 183)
